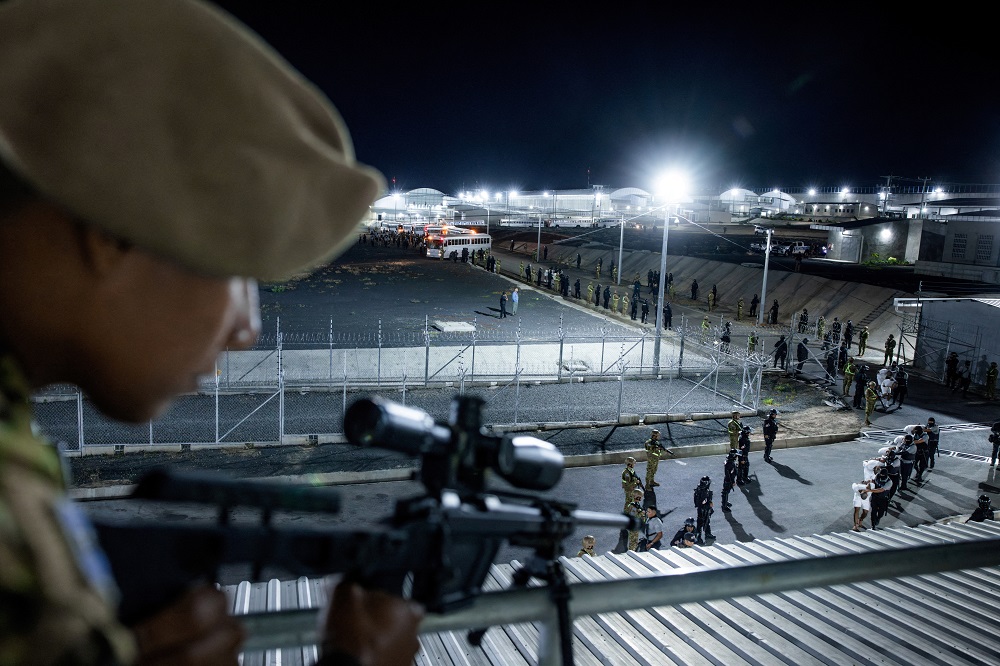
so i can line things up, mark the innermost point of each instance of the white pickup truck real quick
(799, 247)
(777, 247)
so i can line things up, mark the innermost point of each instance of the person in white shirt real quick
(862, 503)
(871, 467)
(654, 531)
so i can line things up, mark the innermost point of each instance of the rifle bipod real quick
(552, 572)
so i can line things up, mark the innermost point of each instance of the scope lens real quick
(529, 463)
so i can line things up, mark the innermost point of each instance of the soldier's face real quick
(165, 327)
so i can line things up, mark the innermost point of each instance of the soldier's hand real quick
(376, 628)
(196, 630)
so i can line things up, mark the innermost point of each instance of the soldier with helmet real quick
(704, 506)
(630, 481)
(687, 528)
(729, 479)
(734, 428)
(635, 509)
(880, 497)
(743, 466)
(871, 396)
(984, 512)
(892, 468)
(654, 451)
(770, 429)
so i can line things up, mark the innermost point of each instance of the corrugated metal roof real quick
(946, 618)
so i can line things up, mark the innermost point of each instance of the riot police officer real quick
(704, 506)
(743, 468)
(770, 430)
(880, 497)
(984, 512)
(687, 528)
(729, 479)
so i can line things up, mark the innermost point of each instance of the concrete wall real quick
(794, 291)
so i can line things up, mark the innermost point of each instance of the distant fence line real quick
(293, 391)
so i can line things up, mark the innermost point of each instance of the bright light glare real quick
(812, 192)
(672, 186)
(885, 234)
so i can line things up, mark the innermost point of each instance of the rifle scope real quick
(524, 462)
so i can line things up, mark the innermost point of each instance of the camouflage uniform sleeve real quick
(56, 591)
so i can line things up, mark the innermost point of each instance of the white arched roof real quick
(737, 194)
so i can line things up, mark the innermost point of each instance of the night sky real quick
(532, 97)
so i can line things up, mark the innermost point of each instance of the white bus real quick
(443, 242)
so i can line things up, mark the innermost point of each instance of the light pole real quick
(485, 196)
(621, 243)
(763, 288)
(673, 186)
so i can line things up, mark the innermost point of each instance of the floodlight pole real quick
(659, 302)
(621, 243)
(763, 289)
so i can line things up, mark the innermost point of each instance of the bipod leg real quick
(535, 567)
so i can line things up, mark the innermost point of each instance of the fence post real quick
(680, 358)
(427, 351)
(281, 388)
(79, 418)
(562, 340)
(344, 413)
(517, 372)
(475, 326)
(603, 332)
(621, 382)
(331, 350)
(378, 376)
(642, 352)
(216, 409)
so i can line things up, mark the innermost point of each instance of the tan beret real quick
(170, 125)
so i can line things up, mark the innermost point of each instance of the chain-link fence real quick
(295, 389)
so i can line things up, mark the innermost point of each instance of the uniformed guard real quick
(770, 431)
(880, 497)
(871, 396)
(654, 451)
(729, 478)
(576, 289)
(587, 547)
(983, 512)
(751, 343)
(849, 371)
(607, 296)
(704, 507)
(821, 327)
(590, 292)
(630, 480)
(734, 428)
(614, 273)
(521, 269)
(743, 468)
(645, 312)
(614, 302)
(890, 347)
(637, 511)
(156, 159)
(625, 307)
(863, 341)
(739, 309)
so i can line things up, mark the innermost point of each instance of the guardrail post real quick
(378, 375)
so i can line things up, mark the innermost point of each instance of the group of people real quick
(900, 462)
